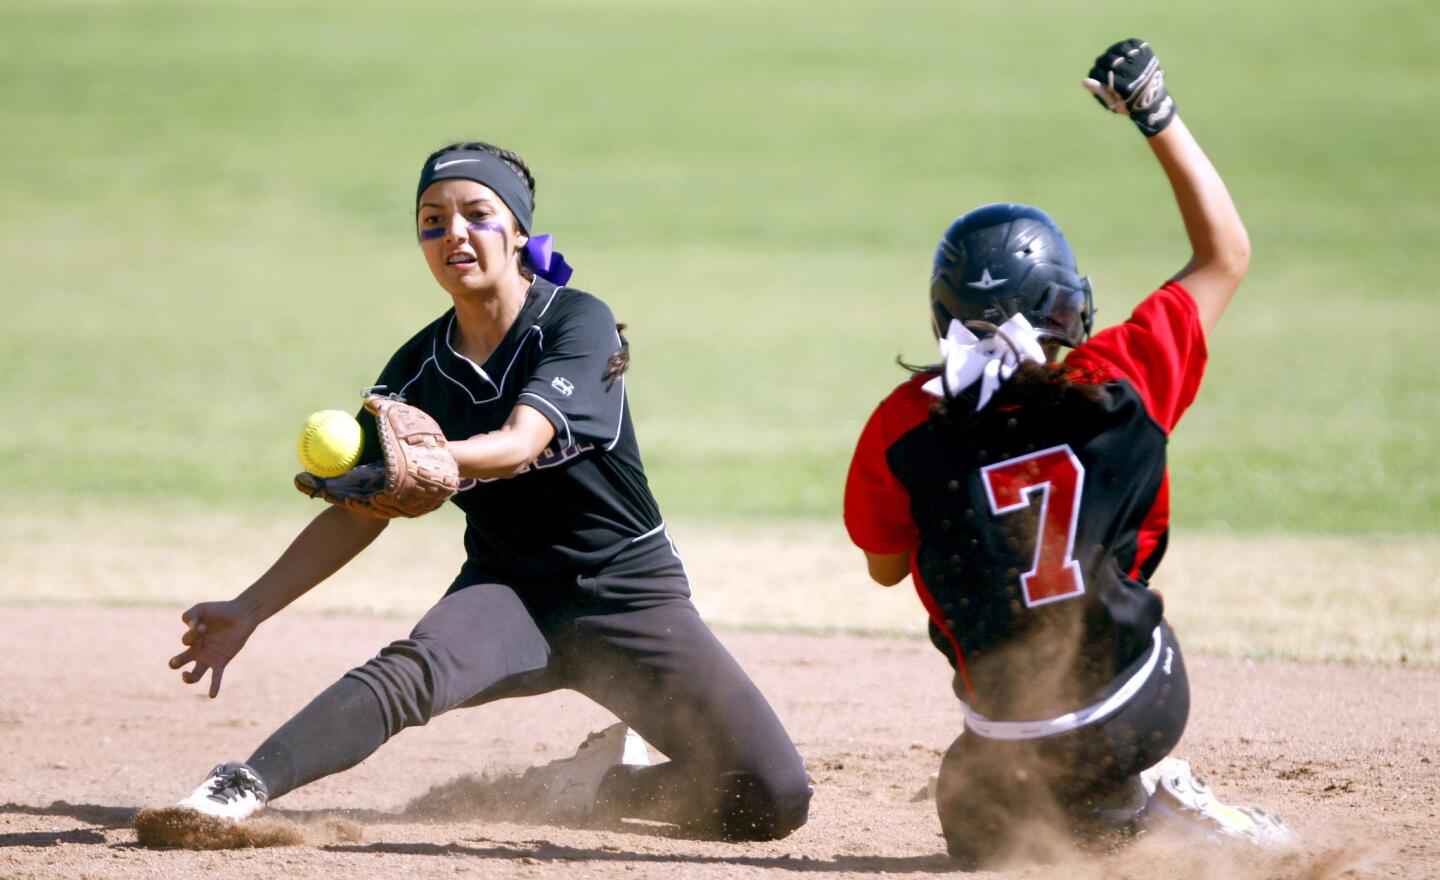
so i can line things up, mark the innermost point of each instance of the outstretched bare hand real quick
(216, 631)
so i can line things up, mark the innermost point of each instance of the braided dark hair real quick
(1033, 389)
(619, 361)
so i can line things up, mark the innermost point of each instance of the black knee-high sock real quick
(339, 729)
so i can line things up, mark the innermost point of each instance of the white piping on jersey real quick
(648, 534)
(500, 387)
(474, 366)
(412, 379)
(569, 436)
(674, 552)
(982, 726)
(620, 419)
(553, 294)
(660, 529)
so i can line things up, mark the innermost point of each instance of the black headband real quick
(482, 166)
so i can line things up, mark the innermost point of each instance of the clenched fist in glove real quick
(1127, 78)
(416, 475)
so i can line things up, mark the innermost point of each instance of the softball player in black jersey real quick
(570, 581)
(1028, 501)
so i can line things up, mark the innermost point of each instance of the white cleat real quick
(231, 791)
(567, 788)
(1179, 800)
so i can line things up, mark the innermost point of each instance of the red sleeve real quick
(877, 506)
(1161, 350)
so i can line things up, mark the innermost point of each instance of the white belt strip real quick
(983, 726)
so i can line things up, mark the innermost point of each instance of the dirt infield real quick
(95, 727)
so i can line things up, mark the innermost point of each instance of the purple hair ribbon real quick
(547, 262)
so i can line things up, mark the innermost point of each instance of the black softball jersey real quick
(1033, 534)
(585, 499)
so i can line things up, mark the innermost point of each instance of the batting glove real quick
(1128, 78)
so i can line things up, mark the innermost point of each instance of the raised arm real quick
(1218, 241)
(1128, 79)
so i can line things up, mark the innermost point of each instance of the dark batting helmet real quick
(1001, 260)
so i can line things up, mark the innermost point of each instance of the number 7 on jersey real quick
(1057, 475)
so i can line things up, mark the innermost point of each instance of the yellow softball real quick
(329, 443)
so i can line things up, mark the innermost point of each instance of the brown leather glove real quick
(418, 473)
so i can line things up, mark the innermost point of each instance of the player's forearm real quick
(502, 452)
(495, 455)
(330, 541)
(1211, 219)
(1218, 240)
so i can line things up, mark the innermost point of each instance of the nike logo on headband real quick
(439, 165)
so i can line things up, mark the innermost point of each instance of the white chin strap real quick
(969, 359)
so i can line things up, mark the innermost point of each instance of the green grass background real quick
(205, 227)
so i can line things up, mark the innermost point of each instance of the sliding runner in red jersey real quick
(1028, 500)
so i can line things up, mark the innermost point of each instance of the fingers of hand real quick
(1126, 53)
(361, 480)
(182, 658)
(1141, 81)
(355, 485)
(1106, 95)
(215, 681)
(190, 676)
(307, 484)
(1129, 46)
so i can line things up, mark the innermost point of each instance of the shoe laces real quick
(229, 785)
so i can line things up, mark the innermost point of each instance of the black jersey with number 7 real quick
(1033, 531)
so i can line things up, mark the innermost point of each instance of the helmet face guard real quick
(1001, 260)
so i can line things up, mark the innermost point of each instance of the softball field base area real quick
(97, 728)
